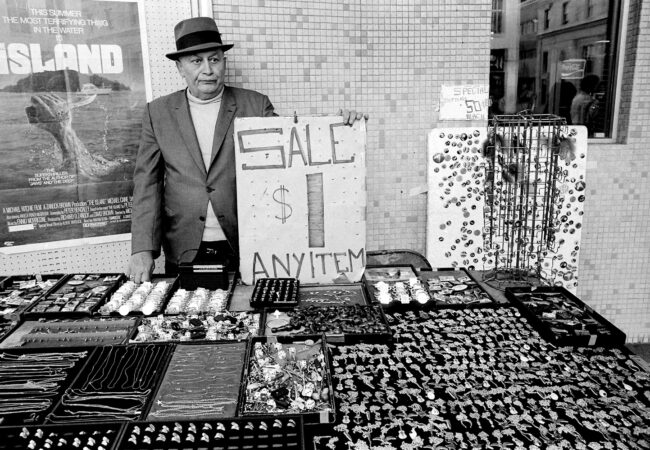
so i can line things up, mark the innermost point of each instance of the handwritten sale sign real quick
(301, 198)
(464, 102)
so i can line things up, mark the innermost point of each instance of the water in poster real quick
(72, 92)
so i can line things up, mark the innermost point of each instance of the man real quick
(584, 106)
(184, 195)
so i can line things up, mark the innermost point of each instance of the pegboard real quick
(112, 256)
(456, 229)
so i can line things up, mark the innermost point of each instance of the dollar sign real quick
(283, 205)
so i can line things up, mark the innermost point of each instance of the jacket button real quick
(202, 218)
(209, 189)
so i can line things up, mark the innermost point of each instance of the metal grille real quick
(522, 179)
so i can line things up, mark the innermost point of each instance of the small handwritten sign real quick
(464, 102)
(301, 198)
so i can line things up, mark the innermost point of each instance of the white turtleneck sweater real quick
(204, 116)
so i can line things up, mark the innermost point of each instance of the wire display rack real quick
(521, 209)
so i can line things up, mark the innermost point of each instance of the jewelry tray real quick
(162, 392)
(594, 329)
(174, 284)
(39, 417)
(324, 416)
(136, 330)
(460, 284)
(155, 368)
(233, 278)
(90, 436)
(33, 311)
(290, 287)
(22, 337)
(7, 283)
(382, 335)
(250, 433)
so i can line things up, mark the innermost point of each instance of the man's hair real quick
(589, 83)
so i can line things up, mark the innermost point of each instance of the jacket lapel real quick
(181, 110)
(226, 115)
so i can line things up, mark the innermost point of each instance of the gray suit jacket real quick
(171, 184)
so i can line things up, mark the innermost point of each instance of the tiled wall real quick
(615, 257)
(386, 58)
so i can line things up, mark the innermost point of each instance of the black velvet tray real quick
(275, 293)
(116, 384)
(461, 292)
(245, 433)
(306, 346)
(564, 319)
(89, 436)
(91, 291)
(14, 299)
(60, 376)
(65, 333)
(215, 369)
(340, 324)
(344, 294)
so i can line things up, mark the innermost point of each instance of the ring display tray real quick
(144, 299)
(198, 300)
(241, 433)
(94, 436)
(275, 293)
(443, 288)
(563, 319)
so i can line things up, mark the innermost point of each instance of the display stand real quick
(521, 178)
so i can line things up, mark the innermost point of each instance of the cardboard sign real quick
(466, 102)
(301, 198)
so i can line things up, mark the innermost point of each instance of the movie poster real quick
(72, 93)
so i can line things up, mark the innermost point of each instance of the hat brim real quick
(198, 48)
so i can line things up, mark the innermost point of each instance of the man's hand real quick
(351, 116)
(140, 267)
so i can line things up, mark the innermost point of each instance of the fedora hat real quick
(195, 35)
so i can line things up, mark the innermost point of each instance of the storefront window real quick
(561, 59)
(497, 16)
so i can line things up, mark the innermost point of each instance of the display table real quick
(463, 370)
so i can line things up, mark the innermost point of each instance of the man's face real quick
(203, 72)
